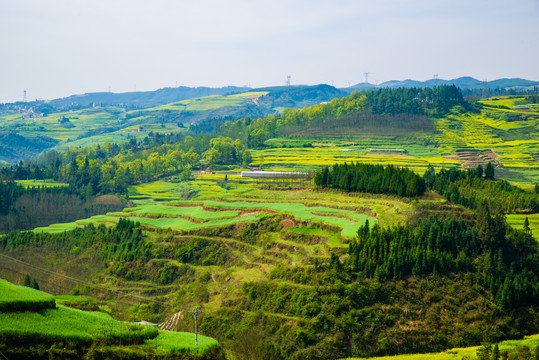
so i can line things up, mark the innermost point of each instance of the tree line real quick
(111, 168)
(27, 208)
(376, 179)
(473, 186)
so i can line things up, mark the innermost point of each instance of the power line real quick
(4, 356)
(81, 281)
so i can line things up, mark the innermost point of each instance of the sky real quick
(58, 48)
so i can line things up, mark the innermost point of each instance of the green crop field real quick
(173, 342)
(517, 221)
(461, 353)
(21, 298)
(67, 323)
(38, 183)
(498, 133)
(202, 212)
(20, 317)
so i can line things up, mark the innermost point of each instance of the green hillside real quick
(519, 349)
(19, 298)
(29, 319)
(341, 261)
(29, 128)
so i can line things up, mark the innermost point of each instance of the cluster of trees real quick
(27, 208)
(471, 187)
(28, 282)
(436, 101)
(506, 259)
(493, 352)
(371, 178)
(123, 242)
(111, 168)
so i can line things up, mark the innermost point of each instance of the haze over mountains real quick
(465, 82)
(173, 94)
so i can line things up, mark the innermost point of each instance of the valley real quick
(303, 268)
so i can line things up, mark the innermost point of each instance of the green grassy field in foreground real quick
(461, 353)
(171, 341)
(65, 323)
(61, 323)
(17, 298)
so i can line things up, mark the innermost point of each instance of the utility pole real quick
(196, 313)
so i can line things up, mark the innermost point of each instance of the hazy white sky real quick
(56, 48)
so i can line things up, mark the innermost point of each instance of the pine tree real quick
(489, 171)
(35, 285)
(495, 352)
(27, 281)
(527, 225)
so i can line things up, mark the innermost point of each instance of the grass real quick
(20, 298)
(171, 342)
(461, 353)
(63, 323)
(195, 212)
(324, 156)
(517, 221)
(67, 299)
(40, 183)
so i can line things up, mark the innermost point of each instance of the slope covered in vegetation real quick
(33, 327)
(284, 268)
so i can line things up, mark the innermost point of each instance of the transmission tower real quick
(24, 96)
(485, 89)
(367, 77)
(287, 82)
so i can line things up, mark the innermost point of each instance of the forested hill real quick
(280, 96)
(382, 109)
(144, 99)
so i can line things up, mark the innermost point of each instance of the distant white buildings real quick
(275, 175)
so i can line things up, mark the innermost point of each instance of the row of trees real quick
(371, 178)
(471, 187)
(27, 208)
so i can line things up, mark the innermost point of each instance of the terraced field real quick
(463, 353)
(215, 207)
(27, 315)
(323, 156)
(499, 133)
(517, 221)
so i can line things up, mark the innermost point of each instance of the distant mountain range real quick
(465, 82)
(144, 99)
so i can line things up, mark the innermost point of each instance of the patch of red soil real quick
(287, 223)
(108, 200)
